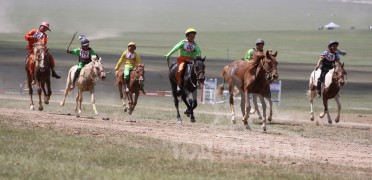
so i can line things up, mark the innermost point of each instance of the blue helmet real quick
(83, 40)
(332, 43)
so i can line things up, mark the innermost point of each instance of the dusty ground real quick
(220, 142)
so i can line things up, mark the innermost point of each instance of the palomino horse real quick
(334, 79)
(136, 78)
(85, 82)
(193, 76)
(42, 75)
(254, 76)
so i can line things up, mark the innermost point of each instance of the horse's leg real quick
(30, 91)
(312, 95)
(231, 101)
(193, 105)
(247, 110)
(263, 112)
(120, 86)
(325, 104)
(271, 109)
(130, 102)
(79, 99)
(256, 109)
(39, 93)
(338, 108)
(67, 89)
(93, 101)
(254, 100)
(176, 103)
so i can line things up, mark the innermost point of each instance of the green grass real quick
(29, 152)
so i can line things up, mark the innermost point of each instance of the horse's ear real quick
(203, 58)
(268, 54)
(275, 54)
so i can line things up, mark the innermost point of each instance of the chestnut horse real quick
(42, 75)
(136, 78)
(334, 80)
(193, 76)
(254, 76)
(85, 82)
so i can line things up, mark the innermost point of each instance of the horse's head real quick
(270, 66)
(39, 54)
(339, 75)
(98, 67)
(199, 69)
(139, 72)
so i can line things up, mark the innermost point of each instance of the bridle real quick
(197, 75)
(138, 73)
(268, 72)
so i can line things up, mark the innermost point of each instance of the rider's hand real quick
(166, 58)
(116, 72)
(68, 51)
(32, 38)
(316, 68)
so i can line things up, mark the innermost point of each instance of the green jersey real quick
(187, 49)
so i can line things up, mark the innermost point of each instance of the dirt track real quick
(216, 142)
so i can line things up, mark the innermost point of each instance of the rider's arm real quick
(175, 48)
(30, 35)
(120, 60)
(75, 52)
(138, 59)
(319, 62)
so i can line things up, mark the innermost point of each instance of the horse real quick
(136, 78)
(193, 76)
(334, 80)
(255, 77)
(85, 82)
(42, 75)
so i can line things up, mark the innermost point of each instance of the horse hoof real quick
(96, 113)
(252, 111)
(260, 118)
(32, 108)
(192, 120)
(179, 120)
(41, 108)
(62, 104)
(264, 129)
(130, 112)
(233, 121)
(46, 102)
(321, 115)
(269, 119)
(312, 118)
(329, 121)
(337, 120)
(248, 128)
(187, 113)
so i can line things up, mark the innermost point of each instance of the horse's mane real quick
(255, 61)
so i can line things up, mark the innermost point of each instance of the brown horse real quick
(42, 75)
(85, 82)
(334, 80)
(136, 78)
(254, 76)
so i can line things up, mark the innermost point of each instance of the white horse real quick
(334, 79)
(85, 82)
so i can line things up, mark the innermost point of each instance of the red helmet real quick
(45, 24)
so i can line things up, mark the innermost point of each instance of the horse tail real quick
(223, 75)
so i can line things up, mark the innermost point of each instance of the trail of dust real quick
(217, 143)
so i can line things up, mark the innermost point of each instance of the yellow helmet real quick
(190, 30)
(132, 44)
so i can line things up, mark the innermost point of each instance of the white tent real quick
(331, 25)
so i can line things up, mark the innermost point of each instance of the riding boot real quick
(126, 89)
(180, 85)
(319, 88)
(76, 75)
(33, 80)
(54, 74)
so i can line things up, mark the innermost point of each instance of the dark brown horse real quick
(136, 78)
(254, 76)
(193, 76)
(42, 75)
(334, 80)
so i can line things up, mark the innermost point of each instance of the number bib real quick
(39, 35)
(129, 55)
(330, 56)
(84, 54)
(189, 47)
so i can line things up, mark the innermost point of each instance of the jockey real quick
(327, 60)
(34, 36)
(85, 56)
(260, 43)
(188, 50)
(131, 59)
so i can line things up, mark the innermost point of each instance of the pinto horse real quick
(136, 78)
(334, 80)
(42, 75)
(85, 82)
(254, 76)
(193, 76)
